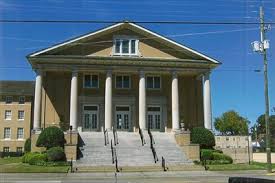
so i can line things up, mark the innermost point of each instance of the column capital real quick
(74, 72)
(109, 72)
(174, 74)
(39, 72)
(141, 73)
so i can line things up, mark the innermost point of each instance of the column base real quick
(36, 131)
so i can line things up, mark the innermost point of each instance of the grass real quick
(15, 165)
(226, 167)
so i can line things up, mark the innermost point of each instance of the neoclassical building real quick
(125, 77)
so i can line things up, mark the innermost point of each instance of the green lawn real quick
(252, 166)
(14, 165)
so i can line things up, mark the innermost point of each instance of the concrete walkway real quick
(152, 177)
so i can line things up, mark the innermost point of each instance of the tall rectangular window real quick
(91, 81)
(7, 133)
(153, 82)
(122, 81)
(19, 149)
(21, 115)
(20, 133)
(8, 99)
(21, 100)
(6, 149)
(8, 114)
(125, 46)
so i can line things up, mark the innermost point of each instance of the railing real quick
(114, 156)
(163, 164)
(152, 142)
(115, 137)
(141, 137)
(106, 138)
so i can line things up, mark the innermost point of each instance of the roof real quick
(17, 87)
(170, 42)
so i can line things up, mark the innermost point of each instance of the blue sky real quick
(235, 85)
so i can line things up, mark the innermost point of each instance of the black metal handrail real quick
(106, 137)
(163, 164)
(141, 137)
(152, 142)
(116, 161)
(112, 151)
(115, 137)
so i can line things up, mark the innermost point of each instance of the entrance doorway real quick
(90, 118)
(123, 118)
(154, 118)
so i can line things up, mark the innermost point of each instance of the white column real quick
(207, 102)
(108, 101)
(142, 101)
(37, 101)
(73, 102)
(175, 102)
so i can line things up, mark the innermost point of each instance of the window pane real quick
(20, 133)
(133, 46)
(119, 82)
(94, 81)
(90, 108)
(8, 99)
(21, 115)
(87, 81)
(8, 114)
(21, 100)
(126, 82)
(156, 82)
(117, 46)
(149, 82)
(7, 133)
(125, 46)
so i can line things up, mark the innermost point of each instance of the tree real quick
(203, 137)
(231, 123)
(51, 137)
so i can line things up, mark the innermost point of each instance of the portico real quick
(131, 83)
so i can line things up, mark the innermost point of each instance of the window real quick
(21, 100)
(21, 115)
(91, 81)
(122, 81)
(125, 46)
(153, 82)
(20, 133)
(7, 114)
(6, 149)
(19, 149)
(7, 133)
(8, 99)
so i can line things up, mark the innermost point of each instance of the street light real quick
(261, 47)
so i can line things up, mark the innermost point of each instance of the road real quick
(152, 177)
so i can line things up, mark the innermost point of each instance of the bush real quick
(206, 154)
(27, 146)
(38, 159)
(34, 158)
(222, 157)
(203, 137)
(56, 154)
(51, 137)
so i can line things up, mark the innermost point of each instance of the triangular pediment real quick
(101, 43)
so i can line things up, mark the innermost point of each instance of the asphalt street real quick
(152, 177)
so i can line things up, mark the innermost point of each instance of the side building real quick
(16, 98)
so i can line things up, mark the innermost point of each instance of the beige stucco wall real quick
(56, 99)
(103, 45)
(14, 123)
(261, 157)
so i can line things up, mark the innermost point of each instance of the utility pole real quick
(262, 47)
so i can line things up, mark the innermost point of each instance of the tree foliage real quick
(203, 137)
(51, 137)
(231, 123)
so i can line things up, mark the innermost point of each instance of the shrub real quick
(56, 154)
(206, 154)
(38, 159)
(27, 146)
(203, 137)
(51, 137)
(222, 157)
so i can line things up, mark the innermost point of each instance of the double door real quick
(90, 118)
(123, 118)
(154, 118)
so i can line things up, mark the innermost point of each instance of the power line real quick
(138, 22)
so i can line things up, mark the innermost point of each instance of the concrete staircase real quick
(130, 152)
(166, 146)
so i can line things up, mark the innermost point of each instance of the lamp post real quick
(261, 47)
